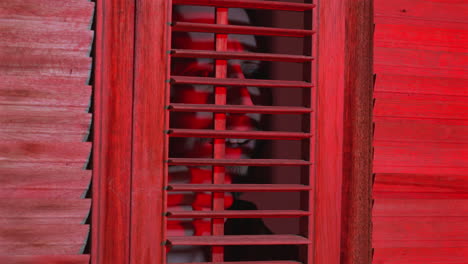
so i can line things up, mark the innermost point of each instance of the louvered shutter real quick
(217, 240)
(45, 98)
(420, 162)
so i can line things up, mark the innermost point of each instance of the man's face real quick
(204, 94)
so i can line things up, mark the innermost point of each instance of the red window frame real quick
(129, 102)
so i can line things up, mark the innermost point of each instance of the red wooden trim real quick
(357, 160)
(238, 162)
(239, 82)
(285, 6)
(239, 240)
(151, 66)
(112, 131)
(239, 109)
(239, 187)
(329, 130)
(231, 29)
(207, 133)
(227, 55)
(219, 144)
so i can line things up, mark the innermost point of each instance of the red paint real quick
(112, 131)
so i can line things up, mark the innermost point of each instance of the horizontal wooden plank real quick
(423, 10)
(70, 98)
(454, 255)
(42, 239)
(29, 63)
(420, 130)
(420, 106)
(249, 4)
(71, 11)
(376, 243)
(238, 214)
(420, 207)
(45, 259)
(420, 37)
(239, 82)
(73, 154)
(421, 85)
(419, 195)
(420, 228)
(179, 53)
(404, 169)
(250, 262)
(45, 34)
(420, 22)
(206, 133)
(239, 240)
(427, 154)
(421, 183)
(29, 211)
(28, 124)
(420, 62)
(245, 30)
(238, 109)
(237, 162)
(239, 187)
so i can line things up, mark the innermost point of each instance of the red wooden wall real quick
(420, 213)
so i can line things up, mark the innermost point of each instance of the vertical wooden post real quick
(357, 169)
(344, 131)
(151, 66)
(112, 131)
(330, 108)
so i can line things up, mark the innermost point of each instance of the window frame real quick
(129, 130)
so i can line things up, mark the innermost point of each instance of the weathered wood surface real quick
(28, 211)
(45, 259)
(420, 141)
(44, 124)
(54, 239)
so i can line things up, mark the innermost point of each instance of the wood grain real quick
(115, 25)
(42, 239)
(46, 259)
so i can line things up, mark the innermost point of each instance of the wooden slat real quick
(27, 63)
(239, 82)
(232, 29)
(205, 133)
(238, 162)
(420, 183)
(43, 211)
(421, 38)
(41, 182)
(420, 106)
(75, 11)
(423, 155)
(419, 195)
(71, 154)
(45, 259)
(421, 85)
(239, 240)
(423, 10)
(47, 35)
(427, 244)
(179, 53)
(42, 239)
(254, 4)
(420, 62)
(420, 207)
(250, 262)
(238, 109)
(420, 228)
(55, 94)
(238, 214)
(28, 124)
(456, 255)
(420, 130)
(239, 187)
